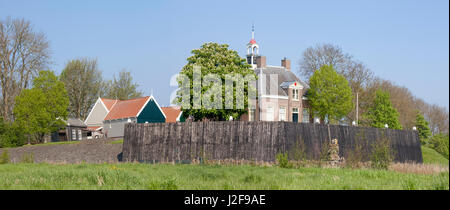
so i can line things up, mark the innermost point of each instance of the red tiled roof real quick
(252, 41)
(108, 102)
(126, 108)
(171, 113)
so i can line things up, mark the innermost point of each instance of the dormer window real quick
(295, 94)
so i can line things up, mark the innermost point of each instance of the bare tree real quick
(82, 80)
(437, 116)
(327, 54)
(359, 77)
(122, 88)
(23, 53)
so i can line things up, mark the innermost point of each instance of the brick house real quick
(281, 94)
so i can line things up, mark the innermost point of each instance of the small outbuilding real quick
(75, 130)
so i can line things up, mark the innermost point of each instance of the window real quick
(305, 117)
(269, 114)
(282, 114)
(74, 134)
(295, 94)
(294, 114)
(79, 135)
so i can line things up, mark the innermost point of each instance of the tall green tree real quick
(216, 59)
(382, 112)
(122, 88)
(83, 81)
(329, 94)
(42, 109)
(422, 128)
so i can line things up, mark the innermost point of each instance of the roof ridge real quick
(135, 98)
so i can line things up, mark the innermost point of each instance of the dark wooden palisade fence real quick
(257, 141)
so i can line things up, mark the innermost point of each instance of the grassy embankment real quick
(430, 156)
(167, 176)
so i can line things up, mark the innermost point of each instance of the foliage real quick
(440, 143)
(299, 151)
(436, 115)
(23, 52)
(329, 94)
(122, 88)
(355, 157)
(431, 156)
(82, 80)
(422, 128)
(381, 156)
(381, 112)
(215, 59)
(4, 158)
(364, 83)
(283, 161)
(42, 109)
(11, 135)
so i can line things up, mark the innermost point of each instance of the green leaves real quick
(382, 112)
(40, 110)
(329, 94)
(422, 128)
(212, 59)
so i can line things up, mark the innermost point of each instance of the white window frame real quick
(303, 115)
(74, 135)
(295, 94)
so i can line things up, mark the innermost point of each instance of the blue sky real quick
(406, 42)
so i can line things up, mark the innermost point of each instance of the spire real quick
(252, 48)
(253, 30)
(253, 41)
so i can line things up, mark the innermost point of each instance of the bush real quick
(440, 143)
(283, 162)
(4, 159)
(11, 135)
(381, 154)
(299, 151)
(355, 157)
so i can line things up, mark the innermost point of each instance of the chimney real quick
(286, 63)
(261, 61)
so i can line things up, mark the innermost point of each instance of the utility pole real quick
(357, 108)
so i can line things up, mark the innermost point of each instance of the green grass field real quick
(211, 177)
(431, 156)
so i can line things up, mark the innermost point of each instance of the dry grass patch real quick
(418, 168)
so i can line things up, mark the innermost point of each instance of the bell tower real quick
(252, 50)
